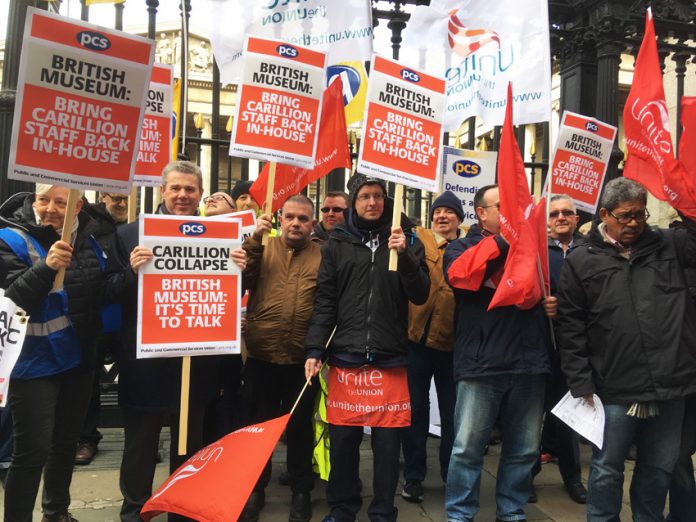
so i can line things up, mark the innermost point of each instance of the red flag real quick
(651, 160)
(214, 484)
(467, 271)
(519, 284)
(332, 153)
(687, 142)
(540, 223)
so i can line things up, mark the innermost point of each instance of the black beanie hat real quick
(449, 200)
(357, 180)
(240, 188)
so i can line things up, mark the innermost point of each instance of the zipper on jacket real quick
(369, 354)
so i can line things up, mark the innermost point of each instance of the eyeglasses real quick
(335, 210)
(118, 199)
(565, 213)
(626, 217)
(377, 196)
(216, 198)
(496, 205)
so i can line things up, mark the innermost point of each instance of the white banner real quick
(464, 172)
(481, 46)
(342, 29)
(13, 328)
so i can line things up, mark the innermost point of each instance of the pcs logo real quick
(192, 229)
(93, 40)
(466, 168)
(350, 78)
(287, 51)
(410, 76)
(591, 126)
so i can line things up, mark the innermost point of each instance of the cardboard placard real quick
(81, 95)
(464, 172)
(189, 294)
(248, 220)
(13, 329)
(279, 99)
(581, 158)
(402, 132)
(154, 150)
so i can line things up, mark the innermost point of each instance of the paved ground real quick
(96, 496)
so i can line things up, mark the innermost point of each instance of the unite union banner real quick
(482, 46)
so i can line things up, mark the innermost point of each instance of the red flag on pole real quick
(540, 224)
(214, 484)
(519, 284)
(332, 153)
(651, 160)
(687, 142)
(467, 271)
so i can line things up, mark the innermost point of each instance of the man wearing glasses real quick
(218, 204)
(627, 334)
(331, 215)
(110, 213)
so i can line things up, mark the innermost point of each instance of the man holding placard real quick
(149, 389)
(368, 304)
(282, 279)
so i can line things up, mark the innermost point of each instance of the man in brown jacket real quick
(431, 337)
(282, 279)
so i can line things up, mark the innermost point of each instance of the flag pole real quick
(308, 383)
(396, 221)
(269, 197)
(132, 203)
(66, 234)
(546, 294)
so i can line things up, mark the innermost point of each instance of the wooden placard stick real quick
(132, 203)
(269, 196)
(66, 235)
(183, 410)
(396, 222)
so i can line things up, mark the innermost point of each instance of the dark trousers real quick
(226, 412)
(344, 488)
(557, 437)
(682, 489)
(424, 364)
(47, 415)
(271, 390)
(6, 438)
(90, 432)
(142, 431)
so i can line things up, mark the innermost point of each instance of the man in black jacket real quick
(500, 366)
(369, 307)
(627, 334)
(110, 213)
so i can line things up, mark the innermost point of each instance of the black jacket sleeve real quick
(413, 273)
(26, 286)
(325, 305)
(571, 325)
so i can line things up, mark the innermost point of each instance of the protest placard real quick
(81, 95)
(581, 158)
(154, 150)
(277, 113)
(401, 137)
(247, 218)
(13, 329)
(189, 294)
(466, 171)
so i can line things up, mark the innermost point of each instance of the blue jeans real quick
(519, 399)
(657, 439)
(423, 364)
(682, 489)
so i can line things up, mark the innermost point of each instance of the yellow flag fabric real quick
(354, 88)
(176, 109)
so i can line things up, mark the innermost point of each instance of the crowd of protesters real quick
(618, 324)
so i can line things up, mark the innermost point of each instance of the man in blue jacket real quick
(500, 362)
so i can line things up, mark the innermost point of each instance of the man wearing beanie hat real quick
(242, 198)
(430, 341)
(368, 350)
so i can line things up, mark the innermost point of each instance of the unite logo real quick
(192, 229)
(409, 75)
(203, 457)
(93, 40)
(654, 121)
(466, 168)
(464, 41)
(350, 78)
(287, 51)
